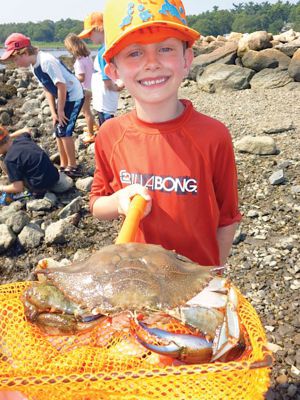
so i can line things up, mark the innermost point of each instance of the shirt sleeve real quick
(225, 182)
(53, 69)
(79, 67)
(102, 64)
(14, 173)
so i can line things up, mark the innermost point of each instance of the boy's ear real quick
(188, 58)
(111, 71)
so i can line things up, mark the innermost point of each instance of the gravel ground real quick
(264, 263)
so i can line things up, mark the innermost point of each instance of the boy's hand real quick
(125, 196)
(62, 119)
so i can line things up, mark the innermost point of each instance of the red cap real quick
(15, 41)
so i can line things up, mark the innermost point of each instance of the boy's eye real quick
(135, 53)
(165, 49)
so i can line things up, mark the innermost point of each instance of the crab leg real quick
(229, 337)
(188, 348)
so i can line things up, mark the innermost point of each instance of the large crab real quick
(152, 285)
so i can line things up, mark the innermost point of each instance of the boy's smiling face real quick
(152, 72)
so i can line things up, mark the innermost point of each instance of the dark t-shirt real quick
(26, 161)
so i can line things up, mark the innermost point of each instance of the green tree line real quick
(243, 17)
(248, 17)
(44, 31)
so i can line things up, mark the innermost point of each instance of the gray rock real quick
(277, 178)
(7, 238)
(17, 221)
(31, 236)
(72, 208)
(5, 118)
(30, 105)
(59, 232)
(39, 205)
(84, 184)
(290, 48)
(226, 54)
(257, 60)
(260, 145)
(270, 79)
(255, 41)
(8, 211)
(219, 77)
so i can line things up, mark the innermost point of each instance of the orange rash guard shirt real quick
(189, 168)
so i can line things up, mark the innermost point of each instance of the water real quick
(56, 52)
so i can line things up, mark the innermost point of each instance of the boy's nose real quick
(152, 61)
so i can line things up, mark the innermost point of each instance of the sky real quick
(29, 10)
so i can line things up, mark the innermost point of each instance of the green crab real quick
(141, 279)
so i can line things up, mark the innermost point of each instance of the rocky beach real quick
(264, 121)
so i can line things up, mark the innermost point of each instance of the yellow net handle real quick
(130, 225)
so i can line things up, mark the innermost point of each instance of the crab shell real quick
(131, 276)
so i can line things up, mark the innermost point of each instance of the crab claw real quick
(187, 348)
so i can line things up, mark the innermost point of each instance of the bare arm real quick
(106, 207)
(80, 77)
(61, 101)
(52, 106)
(19, 132)
(14, 187)
(225, 235)
(110, 207)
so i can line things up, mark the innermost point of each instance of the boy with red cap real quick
(105, 92)
(178, 159)
(63, 91)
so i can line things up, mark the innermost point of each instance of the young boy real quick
(27, 165)
(164, 150)
(63, 91)
(105, 92)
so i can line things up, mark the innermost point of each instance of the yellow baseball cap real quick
(147, 21)
(91, 21)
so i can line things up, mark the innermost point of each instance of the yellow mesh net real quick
(98, 365)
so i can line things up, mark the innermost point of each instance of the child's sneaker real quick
(88, 138)
(22, 195)
(73, 172)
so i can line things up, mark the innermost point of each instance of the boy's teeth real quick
(153, 82)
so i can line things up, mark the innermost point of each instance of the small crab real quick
(152, 284)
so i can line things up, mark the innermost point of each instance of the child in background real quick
(164, 150)
(63, 91)
(105, 92)
(27, 165)
(83, 68)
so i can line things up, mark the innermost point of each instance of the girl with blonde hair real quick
(83, 68)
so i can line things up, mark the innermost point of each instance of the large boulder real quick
(255, 41)
(257, 61)
(268, 58)
(218, 77)
(224, 55)
(294, 67)
(270, 79)
(289, 48)
(286, 37)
